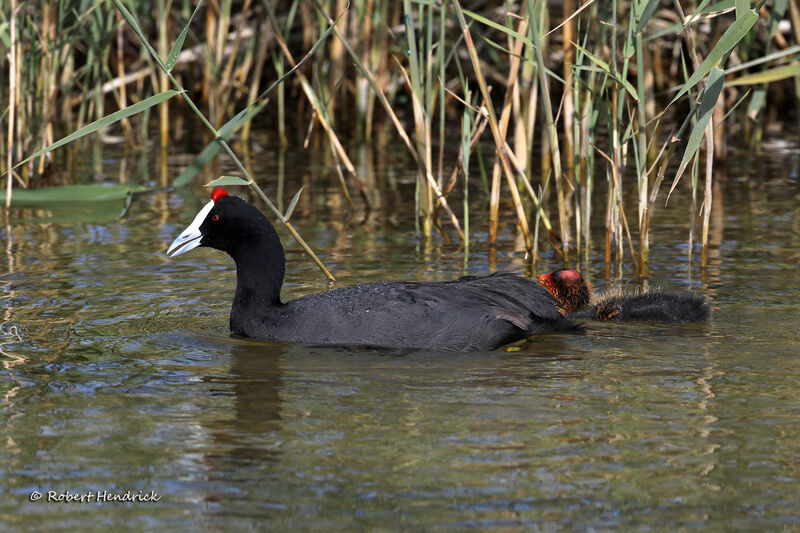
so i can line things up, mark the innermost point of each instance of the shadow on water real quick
(242, 436)
(255, 381)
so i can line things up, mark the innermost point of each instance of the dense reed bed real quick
(549, 103)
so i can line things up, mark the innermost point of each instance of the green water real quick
(117, 374)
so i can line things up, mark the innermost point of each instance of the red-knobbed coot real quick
(575, 295)
(470, 313)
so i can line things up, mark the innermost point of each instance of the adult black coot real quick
(470, 313)
(575, 294)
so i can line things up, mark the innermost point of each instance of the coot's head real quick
(226, 223)
(568, 287)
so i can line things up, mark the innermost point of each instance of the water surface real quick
(117, 374)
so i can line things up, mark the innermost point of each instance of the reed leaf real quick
(103, 122)
(631, 90)
(644, 14)
(499, 27)
(703, 9)
(137, 29)
(767, 76)
(729, 39)
(705, 111)
(192, 169)
(757, 101)
(228, 180)
(292, 205)
(766, 59)
(5, 34)
(776, 14)
(172, 58)
(72, 194)
(742, 7)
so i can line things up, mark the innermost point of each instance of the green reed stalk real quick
(582, 143)
(440, 62)
(612, 214)
(662, 161)
(552, 133)
(568, 32)
(637, 23)
(466, 149)
(12, 91)
(532, 81)
(416, 84)
(497, 135)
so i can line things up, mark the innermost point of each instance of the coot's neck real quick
(260, 266)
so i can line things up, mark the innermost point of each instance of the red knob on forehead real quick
(218, 193)
(570, 274)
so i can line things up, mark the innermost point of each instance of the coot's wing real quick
(465, 314)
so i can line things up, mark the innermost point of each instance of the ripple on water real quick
(117, 373)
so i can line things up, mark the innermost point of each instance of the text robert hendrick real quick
(102, 496)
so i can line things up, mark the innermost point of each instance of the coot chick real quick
(576, 296)
(470, 313)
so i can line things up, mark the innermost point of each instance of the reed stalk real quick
(416, 83)
(586, 122)
(321, 115)
(497, 135)
(568, 49)
(163, 9)
(263, 38)
(12, 101)
(122, 90)
(505, 116)
(467, 136)
(642, 136)
(552, 134)
(59, 62)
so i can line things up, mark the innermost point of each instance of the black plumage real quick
(575, 294)
(656, 306)
(470, 313)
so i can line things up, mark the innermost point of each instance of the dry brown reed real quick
(591, 79)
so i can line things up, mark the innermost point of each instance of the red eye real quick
(214, 218)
